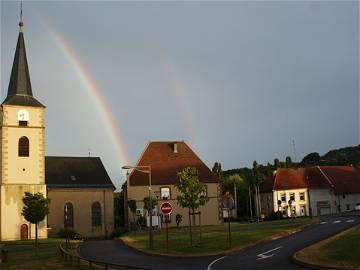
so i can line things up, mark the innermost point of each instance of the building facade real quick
(82, 196)
(323, 190)
(166, 159)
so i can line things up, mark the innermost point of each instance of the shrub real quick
(119, 231)
(69, 233)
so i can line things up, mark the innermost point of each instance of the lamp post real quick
(146, 169)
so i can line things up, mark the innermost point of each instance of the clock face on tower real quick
(23, 115)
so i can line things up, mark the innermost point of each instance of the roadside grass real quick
(22, 256)
(342, 250)
(214, 238)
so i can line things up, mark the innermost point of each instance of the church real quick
(80, 189)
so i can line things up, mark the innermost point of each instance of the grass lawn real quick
(22, 256)
(342, 250)
(214, 238)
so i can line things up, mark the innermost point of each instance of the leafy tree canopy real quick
(36, 207)
(190, 189)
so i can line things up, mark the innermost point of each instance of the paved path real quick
(273, 255)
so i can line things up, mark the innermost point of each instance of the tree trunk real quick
(191, 243)
(36, 239)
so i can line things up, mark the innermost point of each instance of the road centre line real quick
(350, 220)
(324, 222)
(213, 262)
(337, 221)
(262, 256)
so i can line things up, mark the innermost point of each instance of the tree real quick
(217, 168)
(150, 203)
(311, 159)
(191, 192)
(119, 209)
(288, 162)
(276, 164)
(235, 179)
(132, 206)
(35, 209)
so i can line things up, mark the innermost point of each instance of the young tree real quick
(150, 203)
(35, 209)
(235, 179)
(191, 190)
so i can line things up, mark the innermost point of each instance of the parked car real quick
(357, 206)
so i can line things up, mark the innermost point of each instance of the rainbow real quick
(94, 93)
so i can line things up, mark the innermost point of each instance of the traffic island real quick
(341, 251)
(214, 239)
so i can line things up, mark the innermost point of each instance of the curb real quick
(307, 264)
(222, 253)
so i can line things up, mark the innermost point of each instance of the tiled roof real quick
(166, 162)
(344, 179)
(76, 172)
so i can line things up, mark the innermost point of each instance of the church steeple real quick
(20, 91)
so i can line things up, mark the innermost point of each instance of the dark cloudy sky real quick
(238, 81)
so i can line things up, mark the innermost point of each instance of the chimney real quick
(175, 148)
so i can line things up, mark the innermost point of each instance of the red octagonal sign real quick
(166, 208)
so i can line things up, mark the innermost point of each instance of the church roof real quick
(20, 91)
(76, 172)
(166, 159)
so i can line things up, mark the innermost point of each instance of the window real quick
(283, 197)
(292, 197)
(343, 196)
(68, 215)
(165, 193)
(347, 207)
(96, 214)
(23, 123)
(23, 147)
(302, 196)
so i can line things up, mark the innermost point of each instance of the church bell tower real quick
(22, 144)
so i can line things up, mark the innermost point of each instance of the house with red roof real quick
(157, 170)
(323, 190)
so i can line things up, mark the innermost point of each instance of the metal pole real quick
(151, 237)
(167, 234)
(235, 201)
(251, 214)
(229, 227)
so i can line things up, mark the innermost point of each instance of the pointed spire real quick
(20, 91)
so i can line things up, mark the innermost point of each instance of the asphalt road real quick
(273, 255)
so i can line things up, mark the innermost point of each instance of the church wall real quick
(11, 207)
(82, 200)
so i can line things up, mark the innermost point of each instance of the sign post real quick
(228, 203)
(166, 209)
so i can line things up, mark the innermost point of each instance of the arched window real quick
(23, 147)
(96, 214)
(68, 215)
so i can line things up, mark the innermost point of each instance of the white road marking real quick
(337, 221)
(262, 256)
(350, 220)
(213, 262)
(324, 222)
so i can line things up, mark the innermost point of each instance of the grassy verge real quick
(22, 256)
(342, 251)
(214, 238)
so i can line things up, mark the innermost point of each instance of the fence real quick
(74, 259)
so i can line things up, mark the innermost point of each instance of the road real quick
(272, 255)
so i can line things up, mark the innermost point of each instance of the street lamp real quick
(145, 169)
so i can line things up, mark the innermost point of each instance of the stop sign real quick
(166, 208)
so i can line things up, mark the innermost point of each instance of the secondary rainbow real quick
(94, 93)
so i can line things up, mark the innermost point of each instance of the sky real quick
(238, 81)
